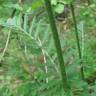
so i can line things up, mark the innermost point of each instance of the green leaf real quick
(54, 2)
(59, 8)
(36, 4)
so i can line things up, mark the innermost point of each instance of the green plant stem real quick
(58, 46)
(78, 41)
(89, 2)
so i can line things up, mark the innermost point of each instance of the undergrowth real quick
(28, 60)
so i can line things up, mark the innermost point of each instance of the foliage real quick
(28, 61)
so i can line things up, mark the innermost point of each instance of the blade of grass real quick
(58, 47)
(6, 45)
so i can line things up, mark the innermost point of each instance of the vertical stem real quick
(89, 2)
(78, 41)
(58, 47)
